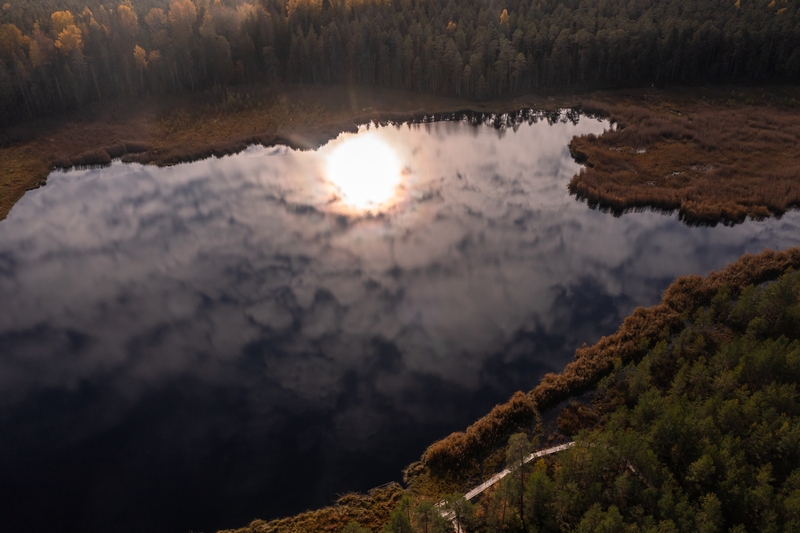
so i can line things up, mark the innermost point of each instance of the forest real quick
(702, 434)
(57, 55)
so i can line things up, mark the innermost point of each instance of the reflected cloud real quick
(224, 322)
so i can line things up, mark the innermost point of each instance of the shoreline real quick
(711, 162)
(468, 452)
(178, 130)
(623, 168)
(453, 463)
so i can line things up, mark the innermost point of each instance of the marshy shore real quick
(714, 154)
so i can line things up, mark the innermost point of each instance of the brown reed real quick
(711, 162)
(455, 460)
(371, 510)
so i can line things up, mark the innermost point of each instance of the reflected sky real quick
(196, 346)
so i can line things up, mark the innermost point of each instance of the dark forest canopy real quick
(61, 54)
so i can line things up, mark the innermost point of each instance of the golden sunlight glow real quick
(365, 170)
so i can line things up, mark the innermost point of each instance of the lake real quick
(193, 347)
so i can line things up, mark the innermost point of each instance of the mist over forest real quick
(57, 55)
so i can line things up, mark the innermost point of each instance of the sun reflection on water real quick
(365, 171)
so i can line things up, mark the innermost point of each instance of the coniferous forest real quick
(57, 55)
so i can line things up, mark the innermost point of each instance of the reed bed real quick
(711, 162)
(371, 510)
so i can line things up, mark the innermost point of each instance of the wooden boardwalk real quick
(500, 475)
(472, 493)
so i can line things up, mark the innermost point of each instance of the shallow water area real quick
(193, 347)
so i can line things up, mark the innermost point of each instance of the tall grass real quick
(371, 510)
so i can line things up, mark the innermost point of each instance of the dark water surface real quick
(193, 347)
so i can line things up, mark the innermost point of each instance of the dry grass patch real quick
(712, 162)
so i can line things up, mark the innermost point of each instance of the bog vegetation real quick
(60, 54)
(373, 510)
(701, 434)
(711, 163)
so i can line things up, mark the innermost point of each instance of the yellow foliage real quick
(88, 18)
(155, 18)
(61, 20)
(207, 27)
(504, 18)
(35, 53)
(11, 40)
(153, 56)
(41, 47)
(128, 19)
(302, 6)
(182, 12)
(182, 15)
(140, 56)
(69, 39)
(245, 10)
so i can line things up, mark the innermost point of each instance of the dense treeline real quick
(61, 54)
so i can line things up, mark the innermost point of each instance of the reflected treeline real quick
(498, 121)
(62, 54)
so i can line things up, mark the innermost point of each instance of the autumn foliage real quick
(461, 452)
(371, 510)
(67, 59)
